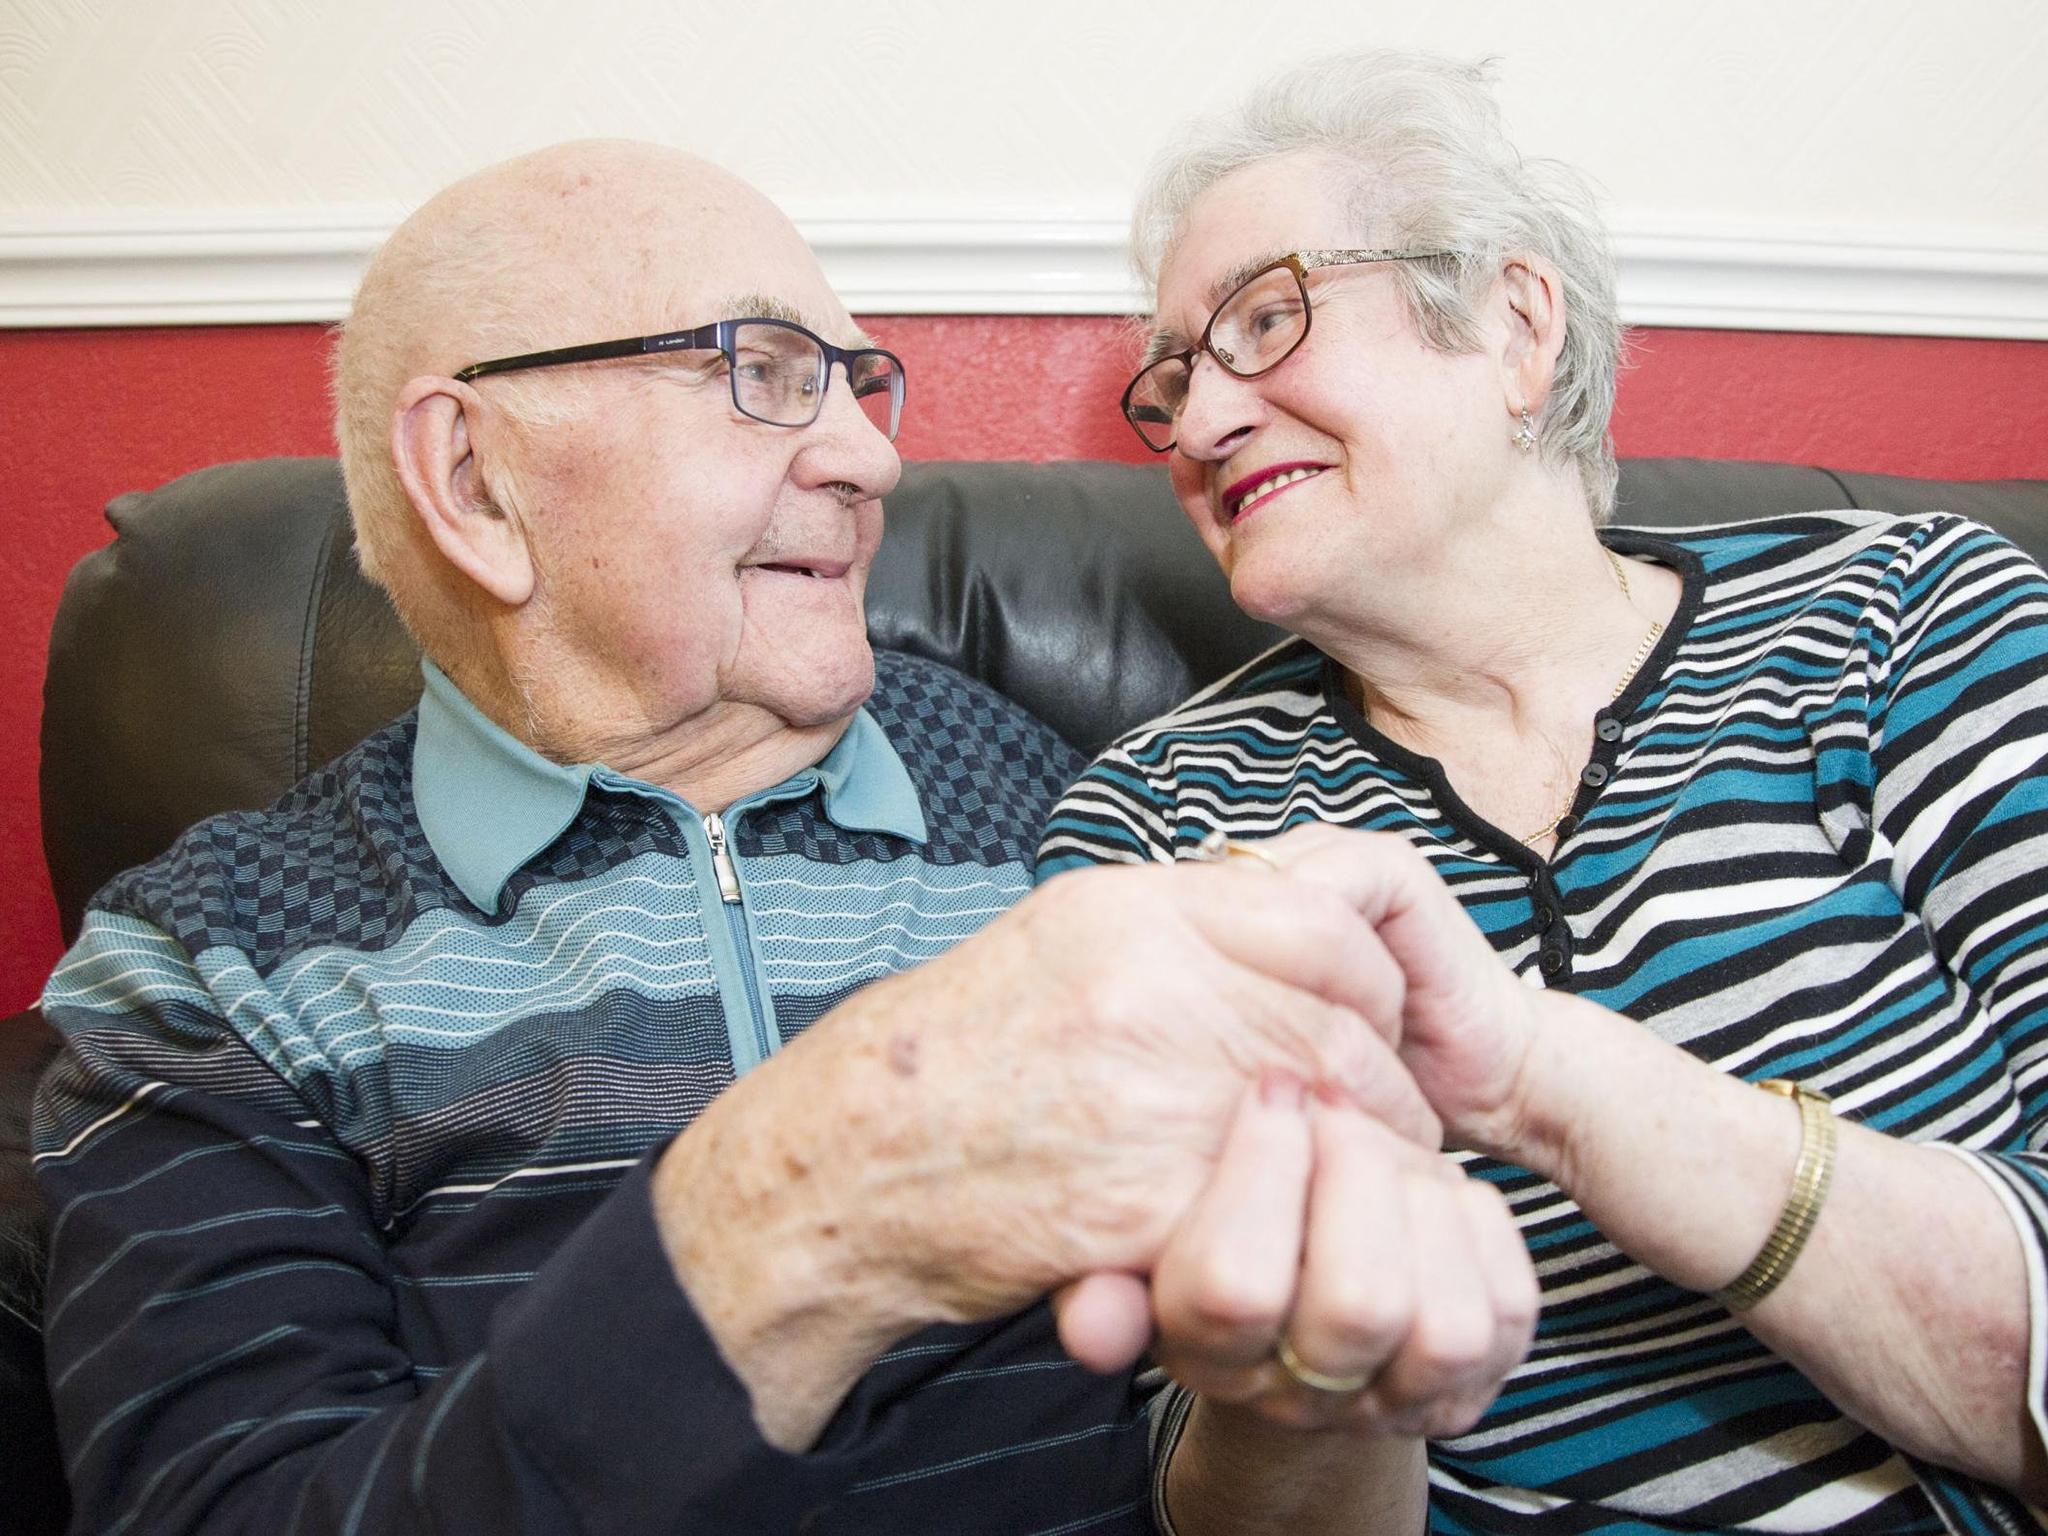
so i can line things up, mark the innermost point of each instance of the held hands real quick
(1332, 1274)
(1042, 1102)
(1064, 1096)
(1089, 1051)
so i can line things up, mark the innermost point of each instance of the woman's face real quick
(1361, 457)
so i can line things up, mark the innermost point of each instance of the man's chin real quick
(826, 693)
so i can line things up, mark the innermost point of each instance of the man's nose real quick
(852, 446)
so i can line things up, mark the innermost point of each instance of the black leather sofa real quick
(225, 643)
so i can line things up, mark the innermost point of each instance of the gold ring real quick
(1313, 1379)
(1214, 848)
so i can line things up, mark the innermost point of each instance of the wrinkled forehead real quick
(1246, 221)
(731, 262)
(721, 275)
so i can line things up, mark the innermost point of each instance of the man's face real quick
(689, 557)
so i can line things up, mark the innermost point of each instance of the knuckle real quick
(1396, 848)
(1327, 918)
(1361, 1319)
(1368, 1414)
(1450, 1342)
(1229, 1303)
(1114, 1000)
(1519, 1304)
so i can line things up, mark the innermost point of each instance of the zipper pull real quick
(728, 878)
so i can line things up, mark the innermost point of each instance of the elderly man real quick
(370, 1207)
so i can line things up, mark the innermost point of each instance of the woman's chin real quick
(1271, 596)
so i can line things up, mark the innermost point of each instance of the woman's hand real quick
(1685, 1168)
(1467, 1024)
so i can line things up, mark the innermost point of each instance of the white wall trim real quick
(210, 270)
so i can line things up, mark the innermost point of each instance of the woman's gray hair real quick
(1434, 172)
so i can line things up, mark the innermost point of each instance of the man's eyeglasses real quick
(1253, 331)
(779, 370)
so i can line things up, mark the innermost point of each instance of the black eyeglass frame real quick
(1300, 263)
(715, 337)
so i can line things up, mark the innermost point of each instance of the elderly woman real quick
(1748, 807)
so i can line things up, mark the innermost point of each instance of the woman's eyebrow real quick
(1240, 274)
(1159, 343)
(1164, 341)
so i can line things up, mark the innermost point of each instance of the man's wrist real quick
(755, 1209)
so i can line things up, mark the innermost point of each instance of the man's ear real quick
(1532, 293)
(435, 455)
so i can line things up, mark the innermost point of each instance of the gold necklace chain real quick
(1635, 665)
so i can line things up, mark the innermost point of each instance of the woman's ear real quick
(1532, 293)
(434, 453)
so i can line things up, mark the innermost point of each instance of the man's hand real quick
(1042, 1103)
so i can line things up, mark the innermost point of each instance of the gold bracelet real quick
(1802, 1207)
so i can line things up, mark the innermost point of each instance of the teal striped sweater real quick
(347, 1155)
(1811, 842)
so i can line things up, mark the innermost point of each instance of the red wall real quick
(85, 415)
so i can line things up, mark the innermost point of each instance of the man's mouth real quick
(1254, 490)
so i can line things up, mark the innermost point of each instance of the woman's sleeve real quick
(1958, 716)
(1116, 813)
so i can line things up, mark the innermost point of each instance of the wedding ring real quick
(1313, 1379)
(1215, 847)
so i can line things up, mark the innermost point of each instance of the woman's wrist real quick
(1598, 1092)
(1234, 1470)
(1533, 1125)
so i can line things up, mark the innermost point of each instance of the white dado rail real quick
(160, 269)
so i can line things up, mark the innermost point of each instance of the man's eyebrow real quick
(761, 306)
(1164, 341)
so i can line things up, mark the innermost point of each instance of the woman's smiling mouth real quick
(1255, 490)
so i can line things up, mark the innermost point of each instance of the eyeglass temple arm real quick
(1311, 260)
(596, 351)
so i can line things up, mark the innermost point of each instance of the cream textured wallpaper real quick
(1797, 157)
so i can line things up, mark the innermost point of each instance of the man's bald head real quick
(576, 243)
